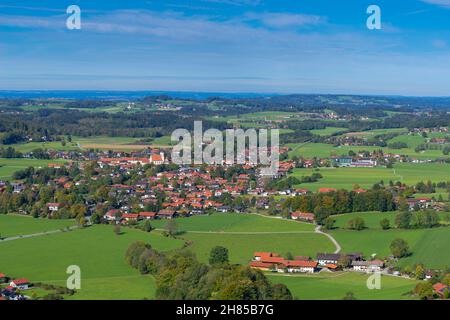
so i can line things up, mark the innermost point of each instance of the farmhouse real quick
(327, 190)
(167, 214)
(112, 215)
(269, 261)
(439, 289)
(328, 258)
(368, 266)
(303, 216)
(147, 215)
(130, 216)
(53, 207)
(22, 284)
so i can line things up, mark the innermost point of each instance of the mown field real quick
(322, 150)
(243, 234)
(231, 222)
(428, 246)
(334, 286)
(9, 166)
(97, 250)
(242, 246)
(12, 225)
(372, 219)
(346, 178)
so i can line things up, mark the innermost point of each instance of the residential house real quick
(147, 215)
(167, 214)
(328, 258)
(439, 289)
(304, 216)
(53, 206)
(21, 284)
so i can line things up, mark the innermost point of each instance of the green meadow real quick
(372, 219)
(15, 225)
(9, 166)
(328, 131)
(231, 222)
(97, 250)
(242, 246)
(428, 246)
(334, 286)
(323, 150)
(346, 178)
(243, 234)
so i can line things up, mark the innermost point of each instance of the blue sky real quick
(269, 46)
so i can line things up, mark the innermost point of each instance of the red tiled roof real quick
(130, 216)
(21, 281)
(326, 190)
(147, 214)
(259, 264)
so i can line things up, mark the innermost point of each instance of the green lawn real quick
(9, 166)
(334, 286)
(428, 246)
(322, 150)
(241, 247)
(371, 219)
(346, 178)
(328, 131)
(14, 225)
(30, 146)
(97, 250)
(236, 223)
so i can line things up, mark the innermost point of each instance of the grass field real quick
(96, 250)
(328, 131)
(346, 178)
(372, 219)
(334, 286)
(242, 246)
(230, 222)
(243, 234)
(428, 246)
(322, 150)
(13, 225)
(9, 166)
(30, 146)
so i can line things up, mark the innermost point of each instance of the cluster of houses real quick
(12, 291)
(269, 261)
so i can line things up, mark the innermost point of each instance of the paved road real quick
(338, 246)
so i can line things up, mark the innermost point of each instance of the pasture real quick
(15, 225)
(242, 246)
(97, 250)
(243, 234)
(9, 166)
(334, 286)
(323, 150)
(328, 131)
(231, 222)
(372, 219)
(428, 246)
(346, 178)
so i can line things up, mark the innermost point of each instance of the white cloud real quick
(443, 3)
(282, 20)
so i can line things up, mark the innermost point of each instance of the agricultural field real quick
(376, 132)
(328, 131)
(243, 234)
(346, 178)
(242, 246)
(323, 150)
(97, 250)
(428, 246)
(231, 222)
(372, 219)
(9, 166)
(15, 225)
(334, 286)
(54, 145)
